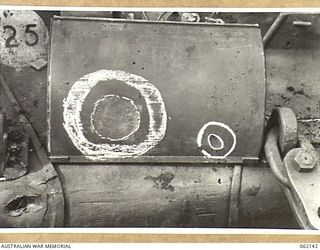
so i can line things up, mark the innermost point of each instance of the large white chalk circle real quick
(100, 151)
(218, 138)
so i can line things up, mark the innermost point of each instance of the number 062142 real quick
(309, 246)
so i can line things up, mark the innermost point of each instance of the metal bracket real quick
(298, 171)
(31, 198)
(14, 151)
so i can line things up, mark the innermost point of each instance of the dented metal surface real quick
(167, 195)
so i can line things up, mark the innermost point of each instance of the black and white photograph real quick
(159, 118)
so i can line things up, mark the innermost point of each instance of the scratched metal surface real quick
(219, 78)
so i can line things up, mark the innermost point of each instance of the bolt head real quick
(306, 158)
(306, 161)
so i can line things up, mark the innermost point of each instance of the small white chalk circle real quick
(221, 141)
(72, 107)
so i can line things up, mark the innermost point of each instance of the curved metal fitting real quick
(273, 157)
(299, 171)
(285, 121)
(304, 187)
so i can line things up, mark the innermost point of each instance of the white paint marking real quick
(99, 151)
(94, 111)
(200, 138)
(221, 142)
